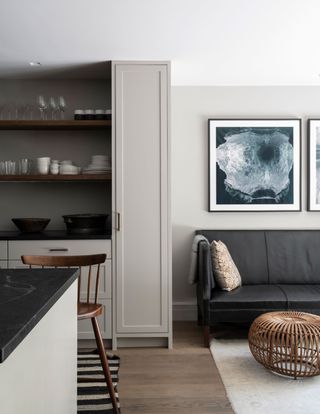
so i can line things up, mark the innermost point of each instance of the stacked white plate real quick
(100, 164)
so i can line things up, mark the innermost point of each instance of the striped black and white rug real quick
(93, 396)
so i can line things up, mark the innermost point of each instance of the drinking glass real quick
(2, 110)
(2, 168)
(19, 111)
(42, 105)
(62, 106)
(24, 166)
(10, 167)
(9, 111)
(53, 106)
(28, 112)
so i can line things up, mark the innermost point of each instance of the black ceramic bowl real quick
(86, 223)
(31, 225)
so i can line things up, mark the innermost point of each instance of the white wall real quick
(191, 108)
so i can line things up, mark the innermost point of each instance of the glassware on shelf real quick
(2, 168)
(53, 107)
(10, 167)
(62, 106)
(25, 166)
(28, 112)
(42, 105)
(9, 111)
(2, 110)
(19, 111)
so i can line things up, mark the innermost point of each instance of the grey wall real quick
(191, 108)
(54, 199)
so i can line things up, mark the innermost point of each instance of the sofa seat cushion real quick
(302, 297)
(264, 297)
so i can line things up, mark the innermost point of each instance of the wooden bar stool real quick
(86, 309)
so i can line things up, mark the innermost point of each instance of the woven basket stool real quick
(287, 343)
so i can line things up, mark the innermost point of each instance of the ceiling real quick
(210, 42)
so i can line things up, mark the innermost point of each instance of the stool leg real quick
(206, 336)
(105, 364)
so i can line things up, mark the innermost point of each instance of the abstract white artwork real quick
(254, 164)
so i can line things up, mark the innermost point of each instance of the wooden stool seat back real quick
(72, 261)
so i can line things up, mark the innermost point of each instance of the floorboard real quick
(182, 380)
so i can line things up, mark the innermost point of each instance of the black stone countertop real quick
(26, 295)
(51, 235)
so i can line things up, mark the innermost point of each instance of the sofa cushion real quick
(293, 256)
(302, 297)
(264, 297)
(248, 251)
(225, 271)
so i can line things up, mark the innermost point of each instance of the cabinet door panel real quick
(141, 197)
(3, 250)
(3, 264)
(58, 247)
(104, 281)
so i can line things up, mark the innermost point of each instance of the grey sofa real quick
(280, 270)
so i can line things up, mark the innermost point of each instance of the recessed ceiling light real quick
(34, 63)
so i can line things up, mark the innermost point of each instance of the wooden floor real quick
(182, 380)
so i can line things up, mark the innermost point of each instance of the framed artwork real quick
(314, 164)
(254, 164)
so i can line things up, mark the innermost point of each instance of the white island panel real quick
(40, 375)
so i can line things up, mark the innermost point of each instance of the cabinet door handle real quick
(59, 249)
(118, 221)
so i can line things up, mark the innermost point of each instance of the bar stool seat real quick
(89, 310)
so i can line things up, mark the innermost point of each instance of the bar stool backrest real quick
(72, 261)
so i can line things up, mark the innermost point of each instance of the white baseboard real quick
(184, 311)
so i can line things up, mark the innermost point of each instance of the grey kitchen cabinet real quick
(136, 282)
(73, 247)
(3, 254)
(141, 200)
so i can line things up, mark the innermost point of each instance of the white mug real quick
(43, 164)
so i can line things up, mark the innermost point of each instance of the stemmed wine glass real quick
(53, 107)
(42, 105)
(62, 106)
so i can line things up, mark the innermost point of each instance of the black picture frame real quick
(313, 201)
(274, 203)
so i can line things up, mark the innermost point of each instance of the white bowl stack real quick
(100, 164)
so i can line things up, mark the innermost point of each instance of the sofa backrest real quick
(294, 256)
(248, 250)
(272, 256)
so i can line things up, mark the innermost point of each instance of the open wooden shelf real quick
(54, 125)
(54, 178)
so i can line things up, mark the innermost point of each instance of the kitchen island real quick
(38, 341)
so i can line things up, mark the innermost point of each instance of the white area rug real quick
(252, 389)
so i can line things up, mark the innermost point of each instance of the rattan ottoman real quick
(287, 343)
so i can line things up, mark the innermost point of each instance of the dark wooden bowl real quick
(31, 225)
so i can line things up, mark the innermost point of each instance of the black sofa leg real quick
(199, 319)
(206, 336)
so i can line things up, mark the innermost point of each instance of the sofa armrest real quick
(205, 273)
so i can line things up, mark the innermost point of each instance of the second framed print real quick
(314, 164)
(254, 164)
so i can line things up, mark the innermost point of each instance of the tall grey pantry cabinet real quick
(141, 240)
